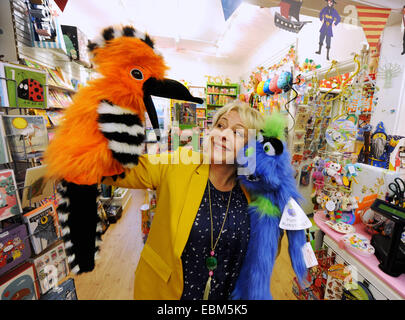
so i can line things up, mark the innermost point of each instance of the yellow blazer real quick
(180, 188)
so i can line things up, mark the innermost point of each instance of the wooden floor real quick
(113, 277)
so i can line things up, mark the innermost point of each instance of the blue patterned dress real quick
(230, 250)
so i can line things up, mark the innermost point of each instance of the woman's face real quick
(226, 138)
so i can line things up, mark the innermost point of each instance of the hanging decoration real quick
(310, 65)
(373, 21)
(374, 59)
(289, 9)
(60, 3)
(261, 72)
(389, 71)
(229, 7)
(329, 16)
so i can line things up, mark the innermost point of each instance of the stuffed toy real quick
(103, 132)
(274, 194)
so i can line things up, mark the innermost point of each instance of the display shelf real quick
(210, 84)
(119, 201)
(391, 287)
(222, 94)
(71, 90)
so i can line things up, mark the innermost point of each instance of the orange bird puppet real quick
(102, 132)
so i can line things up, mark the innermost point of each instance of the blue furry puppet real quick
(272, 185)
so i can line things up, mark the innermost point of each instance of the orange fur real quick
(79, 152)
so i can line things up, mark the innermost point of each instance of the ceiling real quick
(197, 26)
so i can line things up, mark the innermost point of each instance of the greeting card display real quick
(14, 247)
(19, 284)
(37, 187)
(51, 267)
(187, 115)
(76, 44)
(4, 151)
(9, 200)
(43, 226)
(3, 87)
(26, 87)
(65, 291)
(28, 135)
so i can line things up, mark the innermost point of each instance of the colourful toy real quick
(285, 81)
(266, 88)
(103, 133)
(274, 194)
(309, 65)
(273, 85)
(259, 89)
(351, 172)
(358, 244)
(333, 170)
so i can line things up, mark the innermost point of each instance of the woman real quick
(201, 213)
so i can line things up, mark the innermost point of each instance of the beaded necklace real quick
(211, 262)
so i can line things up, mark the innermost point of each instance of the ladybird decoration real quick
(30, 89)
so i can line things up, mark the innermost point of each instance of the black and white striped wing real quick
(124, 131)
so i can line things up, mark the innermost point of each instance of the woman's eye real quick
(137, 74)
(239, 133)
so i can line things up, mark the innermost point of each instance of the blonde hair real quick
(250, 117)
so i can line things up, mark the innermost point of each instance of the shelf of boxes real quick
(219, 95)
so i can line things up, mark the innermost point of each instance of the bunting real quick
(373, 21)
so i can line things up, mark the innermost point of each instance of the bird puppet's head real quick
(132, 71)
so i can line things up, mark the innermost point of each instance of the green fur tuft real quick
(274, 126)
(265, 206)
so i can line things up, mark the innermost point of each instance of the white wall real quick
(391, 98)
(346, 40)
(193, 68)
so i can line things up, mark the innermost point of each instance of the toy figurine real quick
(103, 132)
(274, 195)
(328, 16)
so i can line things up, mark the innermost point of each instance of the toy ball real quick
(259, 90)
(285, 81)
(266, 88)
(273, 85)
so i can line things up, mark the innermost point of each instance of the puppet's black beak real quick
(166, 88)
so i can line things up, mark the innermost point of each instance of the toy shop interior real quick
(333, 70)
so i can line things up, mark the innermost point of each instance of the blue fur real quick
(276, 183)
(296, 239)
(255, 282)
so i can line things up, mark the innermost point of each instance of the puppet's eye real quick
(137, 74)
(268, 149)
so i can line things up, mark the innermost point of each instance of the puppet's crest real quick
(274, 126)
(110, 33)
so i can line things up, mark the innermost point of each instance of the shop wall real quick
(390, 99)
(194, 68)
(347, 39)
